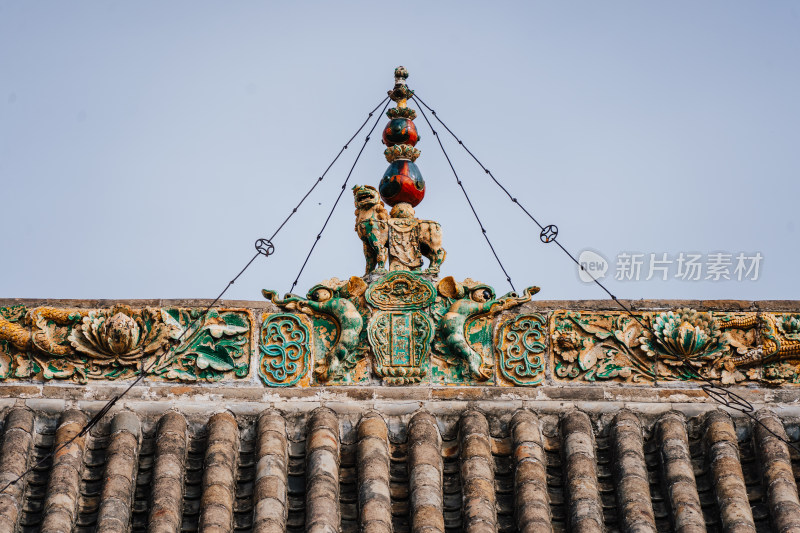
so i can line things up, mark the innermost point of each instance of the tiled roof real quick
(433, 470)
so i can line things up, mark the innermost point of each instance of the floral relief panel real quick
(676, 345)
(121, 342)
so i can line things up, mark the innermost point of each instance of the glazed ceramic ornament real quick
(402, 182)
(400, 131)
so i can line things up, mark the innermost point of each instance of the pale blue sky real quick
(144, 146)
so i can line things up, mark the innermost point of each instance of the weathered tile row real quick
(543, 499)
(14, 458)
(676, 463)
(726, 469)
(219, 474)
(425, 467)
(585, 514)
(119, 481)
(776, 465)
(322, 473)
(630, 475)
(168, 474)
(60, 506)
(374, 496)
(271, 486)
(531, 503)
(477, 474)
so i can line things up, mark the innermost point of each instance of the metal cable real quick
(142, 373)
(516, 202)
(731, 400)
(341, 192)
(714, 391)
(329, 166)
(263, 247)
(472, 207)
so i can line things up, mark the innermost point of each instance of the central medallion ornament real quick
(400, 334)
(401, 290)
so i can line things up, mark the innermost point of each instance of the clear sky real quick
(144, 146)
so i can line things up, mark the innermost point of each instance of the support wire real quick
(472, 207)
(263, 247)
(714, 391)
(341, 192)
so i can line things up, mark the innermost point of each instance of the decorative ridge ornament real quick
(330, 298)
(401, 151)
(398, 241)
(402, 182)
(401, 112)
(397, 323)
(470, 300)
(401, 290)
(120, 336)
(118, 342)
(400, 94)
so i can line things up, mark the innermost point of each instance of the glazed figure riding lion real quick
(398, 238)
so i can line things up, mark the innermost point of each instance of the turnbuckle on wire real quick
(265, 247)
(548, 233)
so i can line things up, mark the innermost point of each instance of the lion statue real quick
(400, 239)
(372, 226)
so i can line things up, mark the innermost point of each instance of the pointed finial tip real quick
(400, 93)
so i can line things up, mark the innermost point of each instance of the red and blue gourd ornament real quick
(400, 131)
(402, 182)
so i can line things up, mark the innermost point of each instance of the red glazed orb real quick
(400, 131)
(402, 182)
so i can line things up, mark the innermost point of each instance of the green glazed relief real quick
(400, 328)
(121, 342)
(520, 345)
(285, 348)
(334, 301)
(676, 345)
